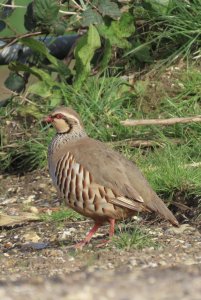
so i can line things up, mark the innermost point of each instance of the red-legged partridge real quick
(95, 180)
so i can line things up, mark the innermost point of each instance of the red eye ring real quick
(59, 116)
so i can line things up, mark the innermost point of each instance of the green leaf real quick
(59, 27)
(117, 31)
(40, 74)
(106, 55)
(40, 88)
(56, 97)
(31, 110)
(45, 11)
(158, 6)
(39, 47)
(2, 25)
(143, 54)
(84, 53)
(15, 82)
(91, 16)
(109, 8)
(5, 11)
(29, 20)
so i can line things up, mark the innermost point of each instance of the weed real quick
(133, 238)
(62, 215)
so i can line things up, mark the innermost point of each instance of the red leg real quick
(111, 233)
(112, 224)
(89, 236)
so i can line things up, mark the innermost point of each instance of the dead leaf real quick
(7, 220)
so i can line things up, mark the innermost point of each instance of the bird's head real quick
(64, 120)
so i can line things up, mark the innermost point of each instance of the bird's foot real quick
(80, 245)
(103, 243)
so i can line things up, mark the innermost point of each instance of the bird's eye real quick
(59, 116)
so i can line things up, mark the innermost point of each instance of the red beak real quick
(48, 119)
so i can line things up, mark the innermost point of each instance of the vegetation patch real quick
(61, 215)
(129, 238)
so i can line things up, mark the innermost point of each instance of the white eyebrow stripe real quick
(67, 116)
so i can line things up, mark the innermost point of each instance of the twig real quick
(142, 143)
(20, 37)
(170, 121)
(193, 165)
(67, 12)
(12, 5)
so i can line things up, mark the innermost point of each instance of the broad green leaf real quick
(84, 53)
(91, 16)
(40, 74)
(40, 88)
(109, 8)
(56, 97)
(143, 54)
(30, 110)
(6, 11)
(117, 31)
(59, 27)
(106, 55)
(159, 6)
(45, 11)
(2, 25)
(15, 82)
(39, 47)
(29, 20)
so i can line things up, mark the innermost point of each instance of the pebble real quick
(66, 233)
(34, 209)
(31, 237)
(8, 245)
(9, 201)
(29, 199)
(133, 262)
(71, 258)
(42, 186)
(181, 229)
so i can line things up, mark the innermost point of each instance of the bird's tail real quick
(161, 208)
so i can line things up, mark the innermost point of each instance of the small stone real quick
(29, 199)
(34, 209)
(67, 233)
(110, 265)
(31, 237)
(42, 186)
(189, 262)
(71, 258)
(181, 229)
(133, 262)
(9, 201)
(8, 245)
(163, 263)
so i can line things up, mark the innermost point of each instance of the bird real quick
(95, 180)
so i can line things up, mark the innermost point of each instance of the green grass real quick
(61, 215)
(169, 34)
(133, 238)
(103, 103)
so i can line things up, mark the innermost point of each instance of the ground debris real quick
(9, 220)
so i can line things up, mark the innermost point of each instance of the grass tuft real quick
(62, 215)
(133, 238)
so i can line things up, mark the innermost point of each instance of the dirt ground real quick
(38, 262)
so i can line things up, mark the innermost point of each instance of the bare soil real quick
(38, 261)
